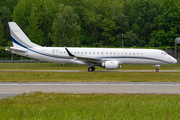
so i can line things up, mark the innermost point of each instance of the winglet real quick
(69, 53)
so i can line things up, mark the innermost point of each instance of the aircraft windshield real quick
(164, 53)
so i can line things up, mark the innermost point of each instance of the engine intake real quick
(111, 65)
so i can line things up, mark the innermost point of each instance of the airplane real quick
(108, 58)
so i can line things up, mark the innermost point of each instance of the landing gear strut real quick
(90, 69)
(157, 68)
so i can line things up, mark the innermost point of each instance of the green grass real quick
(55, 66)
(90, 107)
(88, 77)
(40, 66)
(84, 76)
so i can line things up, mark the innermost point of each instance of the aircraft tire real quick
(157, 70)
(90, 69)
(93, 68)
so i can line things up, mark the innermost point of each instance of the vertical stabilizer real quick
(19, 39)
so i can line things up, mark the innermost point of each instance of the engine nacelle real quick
(111, 65)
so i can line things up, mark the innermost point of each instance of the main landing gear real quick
(90, 69)
(157, 68)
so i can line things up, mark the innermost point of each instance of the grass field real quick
(55, 66)
(90, 107)
(84, 76)
(88, 77)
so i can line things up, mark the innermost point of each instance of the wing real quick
(88, 60)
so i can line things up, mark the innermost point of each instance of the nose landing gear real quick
(157, 68)
(90, 69)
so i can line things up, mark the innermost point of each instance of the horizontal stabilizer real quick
(15, 49)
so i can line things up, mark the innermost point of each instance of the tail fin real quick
(19, 39)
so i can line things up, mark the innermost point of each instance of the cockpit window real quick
(164, 53)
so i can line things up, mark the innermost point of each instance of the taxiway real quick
(12, 89)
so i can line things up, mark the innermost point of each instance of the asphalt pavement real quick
(12, 88)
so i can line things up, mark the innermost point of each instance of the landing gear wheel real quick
(90, 69)
(157, 70)
(93, 68)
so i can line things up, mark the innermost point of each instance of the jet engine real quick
(111, 65)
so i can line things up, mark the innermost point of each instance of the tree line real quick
(93, 23)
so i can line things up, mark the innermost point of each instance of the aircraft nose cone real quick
(173, 60)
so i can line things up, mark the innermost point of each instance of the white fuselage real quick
(123, 56)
